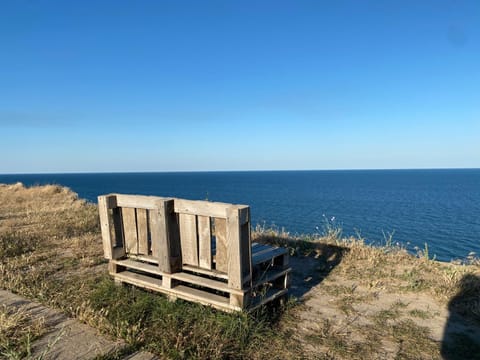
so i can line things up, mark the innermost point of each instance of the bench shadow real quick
(461, 337)
(311, 262)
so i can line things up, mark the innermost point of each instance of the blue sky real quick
(238, 85)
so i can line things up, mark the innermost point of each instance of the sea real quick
(438, 210)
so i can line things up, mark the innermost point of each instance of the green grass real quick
(17, 332)
(51, 251)
(181, 329)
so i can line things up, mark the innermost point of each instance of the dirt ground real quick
(342, 317)
(352, 301)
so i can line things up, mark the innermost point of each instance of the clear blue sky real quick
(238, 85)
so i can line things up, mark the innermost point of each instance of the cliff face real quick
(357, 301)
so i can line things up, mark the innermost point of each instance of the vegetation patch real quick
(355, 301)
(17, 332)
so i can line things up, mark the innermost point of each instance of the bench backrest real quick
(209, 237)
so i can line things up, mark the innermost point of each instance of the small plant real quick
(388, 238)
(331, 230)
(17, 332)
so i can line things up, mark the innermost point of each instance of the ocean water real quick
(437, 207)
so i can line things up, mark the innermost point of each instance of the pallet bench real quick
(194, 250)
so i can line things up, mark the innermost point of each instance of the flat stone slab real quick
(66, 338)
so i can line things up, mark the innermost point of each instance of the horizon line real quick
(232, 171)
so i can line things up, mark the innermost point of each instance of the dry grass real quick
(51, 251)
(361, 302)
(17, 331)
(382, 302)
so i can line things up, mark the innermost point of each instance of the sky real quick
(107, 86)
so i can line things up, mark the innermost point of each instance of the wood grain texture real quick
(221, 260)
(173, 234)
(203, 208)
(159, 237)
(107, 239)
(139, 201)
(204, 242)
(142, 231)
(130, 230)
(119, 239)
(188, 238)
(234, 253)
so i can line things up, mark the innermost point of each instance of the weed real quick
(421, 314)
(17, 332)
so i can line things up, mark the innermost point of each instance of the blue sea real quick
(437, 207)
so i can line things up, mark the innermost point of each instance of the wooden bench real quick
(194, 250)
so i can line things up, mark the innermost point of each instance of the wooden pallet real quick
(194, 250)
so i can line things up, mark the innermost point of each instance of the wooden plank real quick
(159, 236)
(268, 255)
(130, 230)
(107, 239)
(245, 251)
(155, 223)
(188, 239)
(257, 249)
(137, 265)
(271, 294)
(243, 214)
(119, 240)
(202, 297)
(199, 270)
(270, 276)
(173, 237)
(111, 201)
(181, 291)
(205, 282)
(204, 242)
(205, 208)
(142, 231)
(139, 201)
(144, 281)
(147, 258)
(221, 260)
(234, 250)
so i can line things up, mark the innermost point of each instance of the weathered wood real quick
(204, 208)
(210, 273)
(221, 260)
(130, 230)
(268, 255)
(271, 295)
(168, 282)
(173, 235)
(182, 253)
(119, 239)
(270, 276)
(245, 243)
(142, 231)
(159, 229)
(204, 297)
(188, 238)
(234, 249)
(138, 201)
(243, 214)
(144, 281)
(111, 201)
(180, 291)
(105, 226)
(204, 242)
(114, 268)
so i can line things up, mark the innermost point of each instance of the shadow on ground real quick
(311, 262)
(461, 339)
